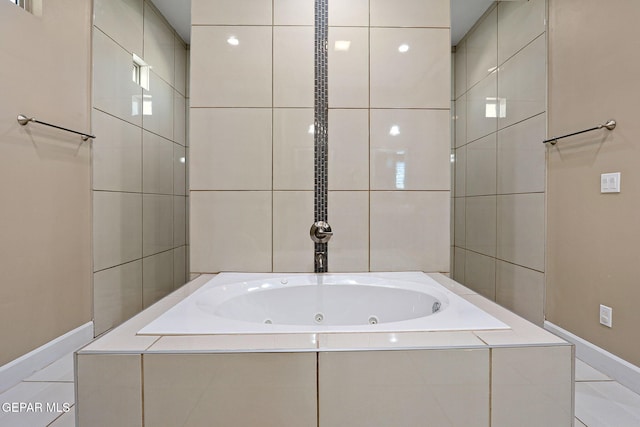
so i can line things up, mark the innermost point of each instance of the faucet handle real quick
(320, 232)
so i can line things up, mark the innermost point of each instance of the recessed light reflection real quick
(395, 130)
(233, 41)
(403, 48)
(342, 45)
(183, 160)
(311, 130)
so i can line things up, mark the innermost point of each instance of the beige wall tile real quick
(349, 219)
(239, 157)
(349, 149)
(531, 386)
(461, 121)
(460, 214)
(215, 388)
(231, 12)
(521, 290)
(518, 24)
(158, 45)
(410, 150)
(293, 72)
(460, 165)
(157, 107)
(230, 231)
(114, 91)
(419, 239)
(521, 229)
(179, 220)
(522, 157)
(482, 49)
(293, 150)
(479, 123)
(117, 154)
(222, 79)
(459, 256)
(481, 166)
(157, 274)
(117, 228)
(412, 78)
(409, 13)
(350, 13)
(157, 164)
(460, 69)
(110, 387)
(480, 274)
(179, 267)
(179, 118)
(445, 387)
(123, 21)
(523, 80)
(292, 218)
(179, 170)
(117, 295)
(157, 223)
(293, 12)
(181, 58)
(481, 224)
(348, 70)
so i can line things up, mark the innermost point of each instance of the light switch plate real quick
(610, 182)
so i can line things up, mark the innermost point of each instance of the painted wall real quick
(252, 94)
(45, 219)
(500, 121)
(592, 249)
(139, 161)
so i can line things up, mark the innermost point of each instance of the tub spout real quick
(320, 258)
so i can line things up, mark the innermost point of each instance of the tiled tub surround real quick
(522, 376)
(500, 121)
(251, 186)
(139, 161)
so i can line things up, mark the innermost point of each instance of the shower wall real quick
(251, 118)
(139, 160)
(500, 122)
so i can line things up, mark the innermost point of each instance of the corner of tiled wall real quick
(139, 161)
(499, 168)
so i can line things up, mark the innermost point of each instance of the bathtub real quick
(234, 303)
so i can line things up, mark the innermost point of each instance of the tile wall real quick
(139, 161)
(499, 178)
(251, 182)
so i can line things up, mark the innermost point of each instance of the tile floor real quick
(600, 401)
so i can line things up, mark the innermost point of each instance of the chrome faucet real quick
(320, 258)
(320, 232)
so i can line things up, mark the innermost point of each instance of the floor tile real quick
(585, 372)
(66, 420)
(607, 404)
(51, 396)
(59, 371)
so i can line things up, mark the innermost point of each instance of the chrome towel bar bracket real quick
(609, 125)
(24, 120)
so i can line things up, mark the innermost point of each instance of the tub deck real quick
(521, 376)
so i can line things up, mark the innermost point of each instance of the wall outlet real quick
(606, 315)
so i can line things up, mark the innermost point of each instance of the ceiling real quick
(464, 13)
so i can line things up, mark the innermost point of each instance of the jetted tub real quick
(320, 303)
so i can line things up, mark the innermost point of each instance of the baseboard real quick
(17, 370)
(619, 369)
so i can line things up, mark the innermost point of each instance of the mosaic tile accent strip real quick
(321, 122)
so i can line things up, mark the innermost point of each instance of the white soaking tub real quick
(320, 303)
